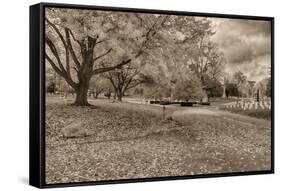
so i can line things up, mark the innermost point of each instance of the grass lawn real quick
(220, 101)
(257, 113)
(126, 140)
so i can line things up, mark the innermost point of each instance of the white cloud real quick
(245, 44)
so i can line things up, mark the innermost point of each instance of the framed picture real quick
(122, 95)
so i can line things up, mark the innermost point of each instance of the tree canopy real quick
(128, 49)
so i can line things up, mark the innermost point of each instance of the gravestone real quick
(251, 106)
(205, 99)
(246, 106)
(261, 105)
(256, 105)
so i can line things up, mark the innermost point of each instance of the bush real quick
(51, 88)
(165, 102)
(188, 104)
(205, 103)
(188, 89)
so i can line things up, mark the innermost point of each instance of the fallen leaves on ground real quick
(127, 141)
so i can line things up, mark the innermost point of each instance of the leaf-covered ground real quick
(126, 140)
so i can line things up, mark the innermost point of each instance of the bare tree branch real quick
(55, 53)
(101, 41)
(73, 36)
(151, 32)
(54, 65)
(61, 73)
(106, 69)
(57, 31)
(132, 85)
(73, 55)
(75, 69)
(67, 58)
(102, 55)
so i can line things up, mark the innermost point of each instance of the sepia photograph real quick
(135, 95)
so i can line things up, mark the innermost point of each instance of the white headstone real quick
(251, 106)
(256, 105)
(261, 105)
(246, 106)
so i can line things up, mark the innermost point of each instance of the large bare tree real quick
(124, 79)
(84, 67)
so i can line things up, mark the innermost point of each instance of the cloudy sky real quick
(246, 46)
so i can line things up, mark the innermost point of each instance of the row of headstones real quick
(250, 105)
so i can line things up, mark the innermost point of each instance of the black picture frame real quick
(37, 94)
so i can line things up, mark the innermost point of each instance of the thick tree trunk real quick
(84, 73)
(119, 95)
(97, 94)
(119, 98)
(82, 94)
